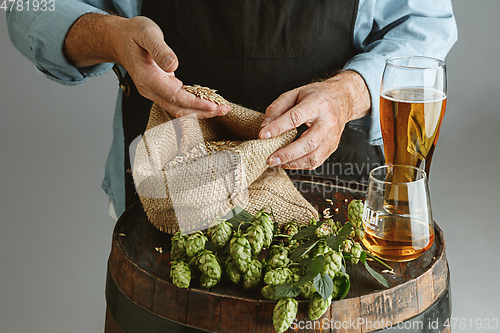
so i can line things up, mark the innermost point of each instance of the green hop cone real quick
(241, 252)
(209, 265)
(284, 313)
(256, 238)
(180, 273)
(207, 282)
(356, 251)
(265, 220)
(178, 246)
(320, 249)
(232, 271)
(318, 306)
(279, 260)
(307, 290)
(277, 276)
(269, 292)
(359, 234)
(347, 245)
(291, 229)
(339, 285)
(313, 222)
(221, 234)
(355, 212)
(333, 263)
(275, 249)
(324, 230)
(253, 275)
(195, 243)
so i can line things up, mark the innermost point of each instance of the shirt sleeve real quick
(388, 28)
(39, 36)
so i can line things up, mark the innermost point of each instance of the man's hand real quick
(325, 107)
(138, 45)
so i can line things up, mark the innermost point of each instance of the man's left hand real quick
(325, 107)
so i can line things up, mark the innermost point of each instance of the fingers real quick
(309, 151)
(293, 118)
(153, 42)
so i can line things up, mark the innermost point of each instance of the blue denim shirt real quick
(383, 29)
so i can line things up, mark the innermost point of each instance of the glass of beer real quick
(397, 214)
(412, 105)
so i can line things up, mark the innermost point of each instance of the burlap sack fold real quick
(189, 171)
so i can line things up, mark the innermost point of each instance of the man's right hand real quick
(139, 46)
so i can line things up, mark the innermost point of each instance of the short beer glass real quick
(412, 104)
(397, 214)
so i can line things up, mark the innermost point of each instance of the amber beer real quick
(410, 119)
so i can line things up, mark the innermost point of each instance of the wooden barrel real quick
(141, 297)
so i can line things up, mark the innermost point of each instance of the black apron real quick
(252, 51)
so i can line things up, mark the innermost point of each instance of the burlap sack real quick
(188, 171)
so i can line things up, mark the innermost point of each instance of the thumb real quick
(161, 53)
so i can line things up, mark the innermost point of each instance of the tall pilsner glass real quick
(412, 105)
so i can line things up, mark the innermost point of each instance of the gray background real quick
(56, 234)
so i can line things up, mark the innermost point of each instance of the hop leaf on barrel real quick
(180, 273)
(277, 276)
(232, 271)
(355, 212)
(207, 282)
(209, 265)
(318, 306)
(241, 252)
(221, 234)
(256, 238)
(252, 276)
(178, 246)
(195, 244)
(284, 313)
